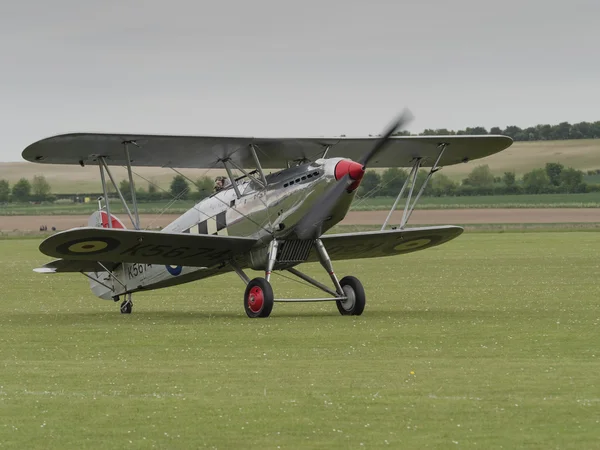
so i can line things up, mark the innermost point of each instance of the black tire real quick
(355, 305)
(258, 298)
(126, 307)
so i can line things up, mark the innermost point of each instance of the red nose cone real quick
(351, 168)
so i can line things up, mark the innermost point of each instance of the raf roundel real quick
(88, 246)
(417, 243)
(411, 245)
(174, 270)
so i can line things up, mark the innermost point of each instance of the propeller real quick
(404, 118)
(348, 175)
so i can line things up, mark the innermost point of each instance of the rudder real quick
(99, 219)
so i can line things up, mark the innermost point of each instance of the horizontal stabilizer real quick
(146, 247)
(69, 265)
(375, 244)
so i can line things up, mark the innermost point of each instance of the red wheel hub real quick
(255, 299)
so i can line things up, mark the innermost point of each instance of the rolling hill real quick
(521, 157)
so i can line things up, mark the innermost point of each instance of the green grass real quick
(471, 228)
(589, 200)
(490, 341)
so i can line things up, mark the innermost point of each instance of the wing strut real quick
(412, 178)
(104, 167)
(131, 184)
(258, 166)
(236, 188)
(105, 190)
(112, 180)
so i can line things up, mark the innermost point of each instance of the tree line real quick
(39, 190)
(552, 178)
(562, 131)
(24, 190)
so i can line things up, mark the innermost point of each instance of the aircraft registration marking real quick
(134, 270)
(168, 251)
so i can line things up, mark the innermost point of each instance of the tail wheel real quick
(354, 305)
(126, 307)
(258, 298)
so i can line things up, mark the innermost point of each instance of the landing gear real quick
(258, 298)
(127, 305)
(348, 293)
(354, 305)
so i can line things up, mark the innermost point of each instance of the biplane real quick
(256, 220)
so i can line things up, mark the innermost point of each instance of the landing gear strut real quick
(348, 293)
(127, 305)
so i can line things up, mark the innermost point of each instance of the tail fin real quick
(100, 280)
(99, 219)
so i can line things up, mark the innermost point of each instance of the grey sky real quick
(302, 68)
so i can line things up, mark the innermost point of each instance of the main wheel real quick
(258, 298)
(354, 305)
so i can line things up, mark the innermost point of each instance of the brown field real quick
(419, 217)
(521, 157)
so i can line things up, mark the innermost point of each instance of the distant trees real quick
(21, 190)
(180, 187)
(41, 188)
(480, 176)
(536, 181)
(553, 178)
(553, 171)
(4, 191)
(442, 185)
(371, 180)
(509, 179)
(572, 180)
(542, 132)
(392, 180)
(125, 189)
(204, 186)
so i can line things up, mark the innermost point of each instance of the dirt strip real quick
(479, 216)
(432, 217)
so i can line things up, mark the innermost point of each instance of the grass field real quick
(589, 200)
(521, 157)
(490, 341)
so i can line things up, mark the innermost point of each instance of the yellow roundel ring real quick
(412, 245)
(87, 246)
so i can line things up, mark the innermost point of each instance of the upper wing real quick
(147, 247)
(375, 244)
(206, 152)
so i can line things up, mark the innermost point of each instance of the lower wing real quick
(146, 247)
(375, 244)
(75, 266)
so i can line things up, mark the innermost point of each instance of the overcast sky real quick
(301, 68)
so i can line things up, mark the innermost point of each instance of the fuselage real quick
(263, 213)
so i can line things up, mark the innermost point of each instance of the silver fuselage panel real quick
(263, 213)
